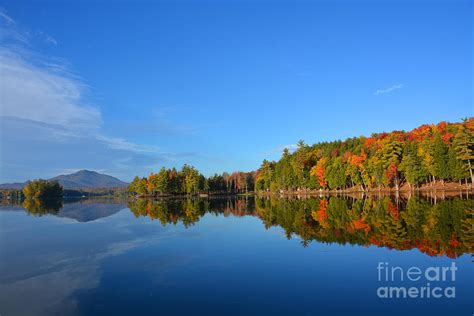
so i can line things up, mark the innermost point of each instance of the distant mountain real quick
(83, 179)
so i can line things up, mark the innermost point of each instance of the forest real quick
(189, 181)
(429, 155)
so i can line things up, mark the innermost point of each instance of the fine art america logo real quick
(431, 282)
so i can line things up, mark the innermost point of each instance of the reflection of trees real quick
(189, 211)
(443, 229)
(40, 207)
(43, 197)
(437, 230)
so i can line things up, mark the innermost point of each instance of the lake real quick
(238, 256)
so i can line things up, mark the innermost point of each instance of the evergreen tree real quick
(464, 144)
(440, 158)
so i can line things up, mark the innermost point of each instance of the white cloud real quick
(390, 89)
(46, 37)
(122, 144)
(9, 31)
(44, 94)
(6, 18)
(50, 39)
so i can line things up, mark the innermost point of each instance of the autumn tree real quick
(42, 189)
(318, 171)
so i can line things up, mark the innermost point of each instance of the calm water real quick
(233, 257)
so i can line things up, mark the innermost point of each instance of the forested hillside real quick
(429, 154)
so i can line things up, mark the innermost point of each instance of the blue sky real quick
(127, 87)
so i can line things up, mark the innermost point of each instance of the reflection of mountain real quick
(441, 229)
(86, 212)
(81, 211)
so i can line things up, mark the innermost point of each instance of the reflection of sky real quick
(221, 265)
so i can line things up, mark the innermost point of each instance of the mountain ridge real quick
(82, 179)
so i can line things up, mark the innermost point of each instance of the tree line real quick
(189, 181)
(427, 155)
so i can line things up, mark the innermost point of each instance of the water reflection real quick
(214, 256)
(41, 207)
(441, 229)
(190, 211)
(79, 210)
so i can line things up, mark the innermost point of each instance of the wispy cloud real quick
(45, 94)
(46, 37)
(122, 144)
(390, 89)
(6, 18)
(10, 31)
